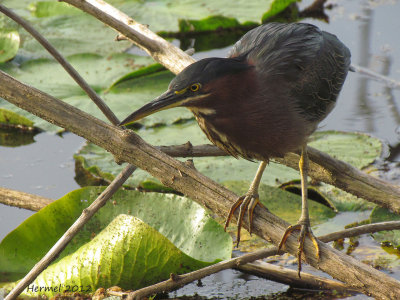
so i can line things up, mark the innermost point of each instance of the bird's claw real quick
(305, 229)
(247, 203)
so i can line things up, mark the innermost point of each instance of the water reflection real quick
(364, 102)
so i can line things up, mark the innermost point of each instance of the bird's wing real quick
(313, 64)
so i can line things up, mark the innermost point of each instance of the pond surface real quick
(369, 28)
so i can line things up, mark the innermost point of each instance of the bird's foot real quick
(305, 229)
(247, 203)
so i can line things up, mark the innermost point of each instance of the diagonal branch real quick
(127, 146)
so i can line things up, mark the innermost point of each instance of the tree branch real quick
(23, 200)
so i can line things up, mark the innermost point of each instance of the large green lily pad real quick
(182, 221)
(127, 253)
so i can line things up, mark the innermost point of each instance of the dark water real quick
(369, 28)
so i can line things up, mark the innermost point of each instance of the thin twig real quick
(64, 63)
(356, 231)
(71, 232)
(379, 77)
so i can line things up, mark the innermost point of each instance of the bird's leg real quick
(247, 202)
(304, 222)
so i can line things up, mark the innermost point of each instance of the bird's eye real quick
(195, 87)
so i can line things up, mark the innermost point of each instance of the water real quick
(368, 28)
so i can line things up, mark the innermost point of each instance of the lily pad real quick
(15, 130)
(9, 118)
(182, 221)
(127, 253)
(9, 43)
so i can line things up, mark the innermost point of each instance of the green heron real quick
(278, 83)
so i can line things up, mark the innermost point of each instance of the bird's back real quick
(311, 62)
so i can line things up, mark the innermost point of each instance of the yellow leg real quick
(303, 225)
(247, 203)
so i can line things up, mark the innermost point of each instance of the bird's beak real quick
(167, 100)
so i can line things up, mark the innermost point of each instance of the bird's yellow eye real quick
(195, 87)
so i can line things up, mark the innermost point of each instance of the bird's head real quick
(196, 84)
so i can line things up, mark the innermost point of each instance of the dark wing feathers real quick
(313, 63)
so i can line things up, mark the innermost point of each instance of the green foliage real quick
(181, 221)
(276, 7)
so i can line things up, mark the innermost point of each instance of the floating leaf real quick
(62, 25)
(15, 130)
(128, 253)
(9, 44)
(182, 221)
(276, 7)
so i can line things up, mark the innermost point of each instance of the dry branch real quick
(23, 200)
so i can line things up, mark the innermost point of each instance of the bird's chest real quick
(221, 137)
